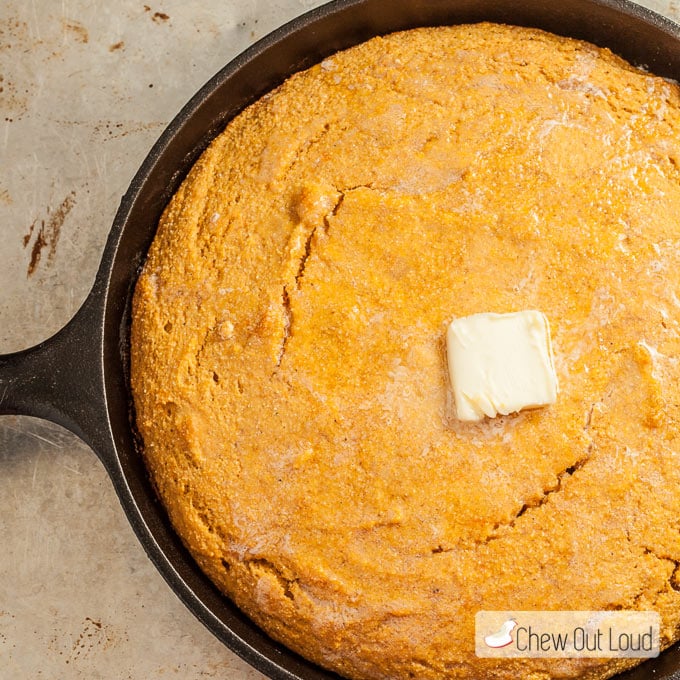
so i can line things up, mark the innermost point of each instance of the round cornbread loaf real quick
(288, 350)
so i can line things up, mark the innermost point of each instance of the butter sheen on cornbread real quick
(288, 350)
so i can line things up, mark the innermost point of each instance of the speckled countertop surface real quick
(86, 87)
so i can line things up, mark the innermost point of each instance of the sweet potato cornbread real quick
(288, 350)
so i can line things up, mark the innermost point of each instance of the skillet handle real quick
(62, 378)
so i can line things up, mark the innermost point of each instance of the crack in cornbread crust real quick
(288, 362)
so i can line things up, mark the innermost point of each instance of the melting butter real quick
(500, 363)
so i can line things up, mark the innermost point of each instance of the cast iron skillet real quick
(79, 377)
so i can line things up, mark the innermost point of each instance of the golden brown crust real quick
(288, 361)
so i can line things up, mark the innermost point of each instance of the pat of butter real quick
(500, 363)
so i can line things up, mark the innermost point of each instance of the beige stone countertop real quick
(86, 87)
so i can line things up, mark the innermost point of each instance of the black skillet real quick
(79, 377)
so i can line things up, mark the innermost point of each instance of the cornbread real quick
(289, 365)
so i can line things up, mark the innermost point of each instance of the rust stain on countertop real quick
(47, 234)
(76, 30)
(17, 38)
(93, 635)
(12, 31)
(158, 17)
(11, 100)
(84, 644)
